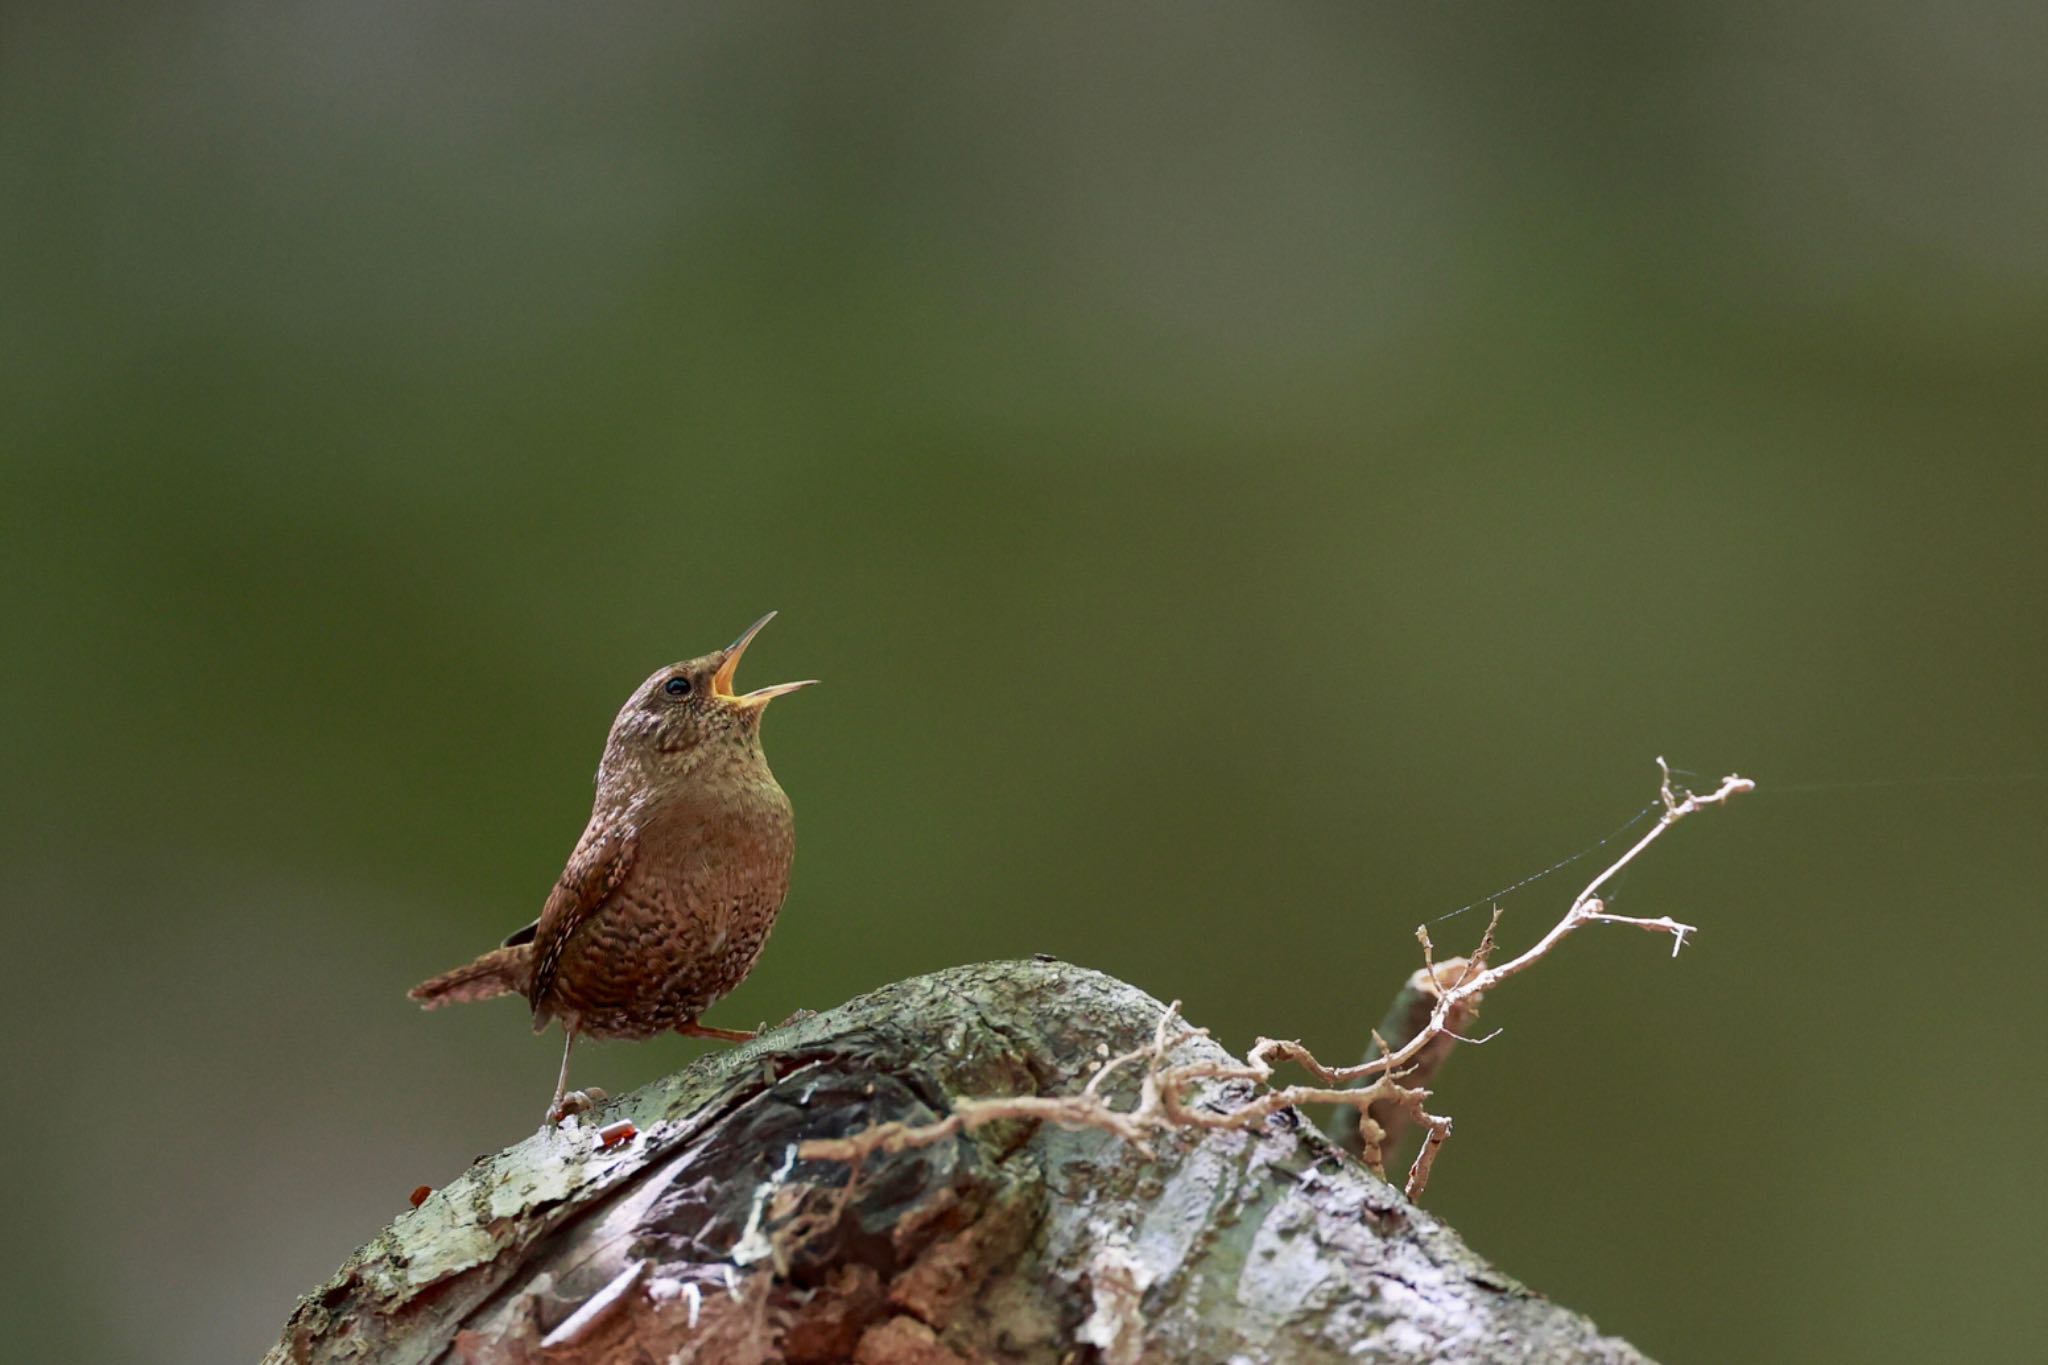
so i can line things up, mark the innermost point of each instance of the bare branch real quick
(1394, 1081)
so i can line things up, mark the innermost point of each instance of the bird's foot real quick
(693, 1029)
(797, 1017)
(576, 1102)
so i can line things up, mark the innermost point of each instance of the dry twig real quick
(1378, 1087)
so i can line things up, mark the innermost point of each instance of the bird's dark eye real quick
(677, 687)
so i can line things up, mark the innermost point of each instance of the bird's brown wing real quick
(600, 862)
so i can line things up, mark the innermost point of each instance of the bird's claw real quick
(577, 1102)
(693, 1029)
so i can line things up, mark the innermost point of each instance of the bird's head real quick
(689, 707)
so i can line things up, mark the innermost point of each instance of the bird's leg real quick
(693, 1029)
(562, 1081)
(566, 1101)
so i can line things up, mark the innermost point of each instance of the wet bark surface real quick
(704, 1238)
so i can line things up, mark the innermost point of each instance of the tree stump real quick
(704, 1237)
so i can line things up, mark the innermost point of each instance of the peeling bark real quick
(704, 1239)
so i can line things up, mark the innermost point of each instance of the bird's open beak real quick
(721, 681)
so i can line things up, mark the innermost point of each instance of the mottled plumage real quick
(671, 891)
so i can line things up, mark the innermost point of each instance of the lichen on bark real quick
(706, 1239)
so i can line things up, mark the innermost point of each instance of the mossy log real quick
(703, 1238)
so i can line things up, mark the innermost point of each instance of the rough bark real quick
(703, 1239)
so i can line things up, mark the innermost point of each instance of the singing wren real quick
(671, 891)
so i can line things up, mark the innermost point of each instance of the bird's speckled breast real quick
(692, 915)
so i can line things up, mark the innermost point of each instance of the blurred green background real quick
(1249, 478)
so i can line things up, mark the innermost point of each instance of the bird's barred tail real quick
(502, 971)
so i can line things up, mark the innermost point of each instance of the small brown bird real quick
(677, 879)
